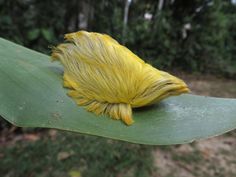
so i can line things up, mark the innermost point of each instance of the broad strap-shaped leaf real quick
(32, 95)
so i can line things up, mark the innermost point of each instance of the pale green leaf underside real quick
(32, 95)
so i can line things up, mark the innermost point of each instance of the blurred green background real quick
(195, 36)
(195, 39)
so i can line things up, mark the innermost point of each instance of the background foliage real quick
(195, 36)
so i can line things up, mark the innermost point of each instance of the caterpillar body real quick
(107, 78)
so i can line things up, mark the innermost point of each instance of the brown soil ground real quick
(213, 157)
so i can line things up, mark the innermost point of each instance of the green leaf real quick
(33, 34)
(47, 34)
(32, 95)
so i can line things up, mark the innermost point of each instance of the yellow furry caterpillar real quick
(107, 78)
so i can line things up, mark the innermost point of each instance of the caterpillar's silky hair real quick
(107, 78)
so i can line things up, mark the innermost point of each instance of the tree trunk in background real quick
(125, 21)
(84, 14)
(160, 5)
(77, 13)
(71, 20)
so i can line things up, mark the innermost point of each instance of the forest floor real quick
(37, 152)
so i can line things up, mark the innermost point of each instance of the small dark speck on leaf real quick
(55, 118)
(56, 115)
(59, 101)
